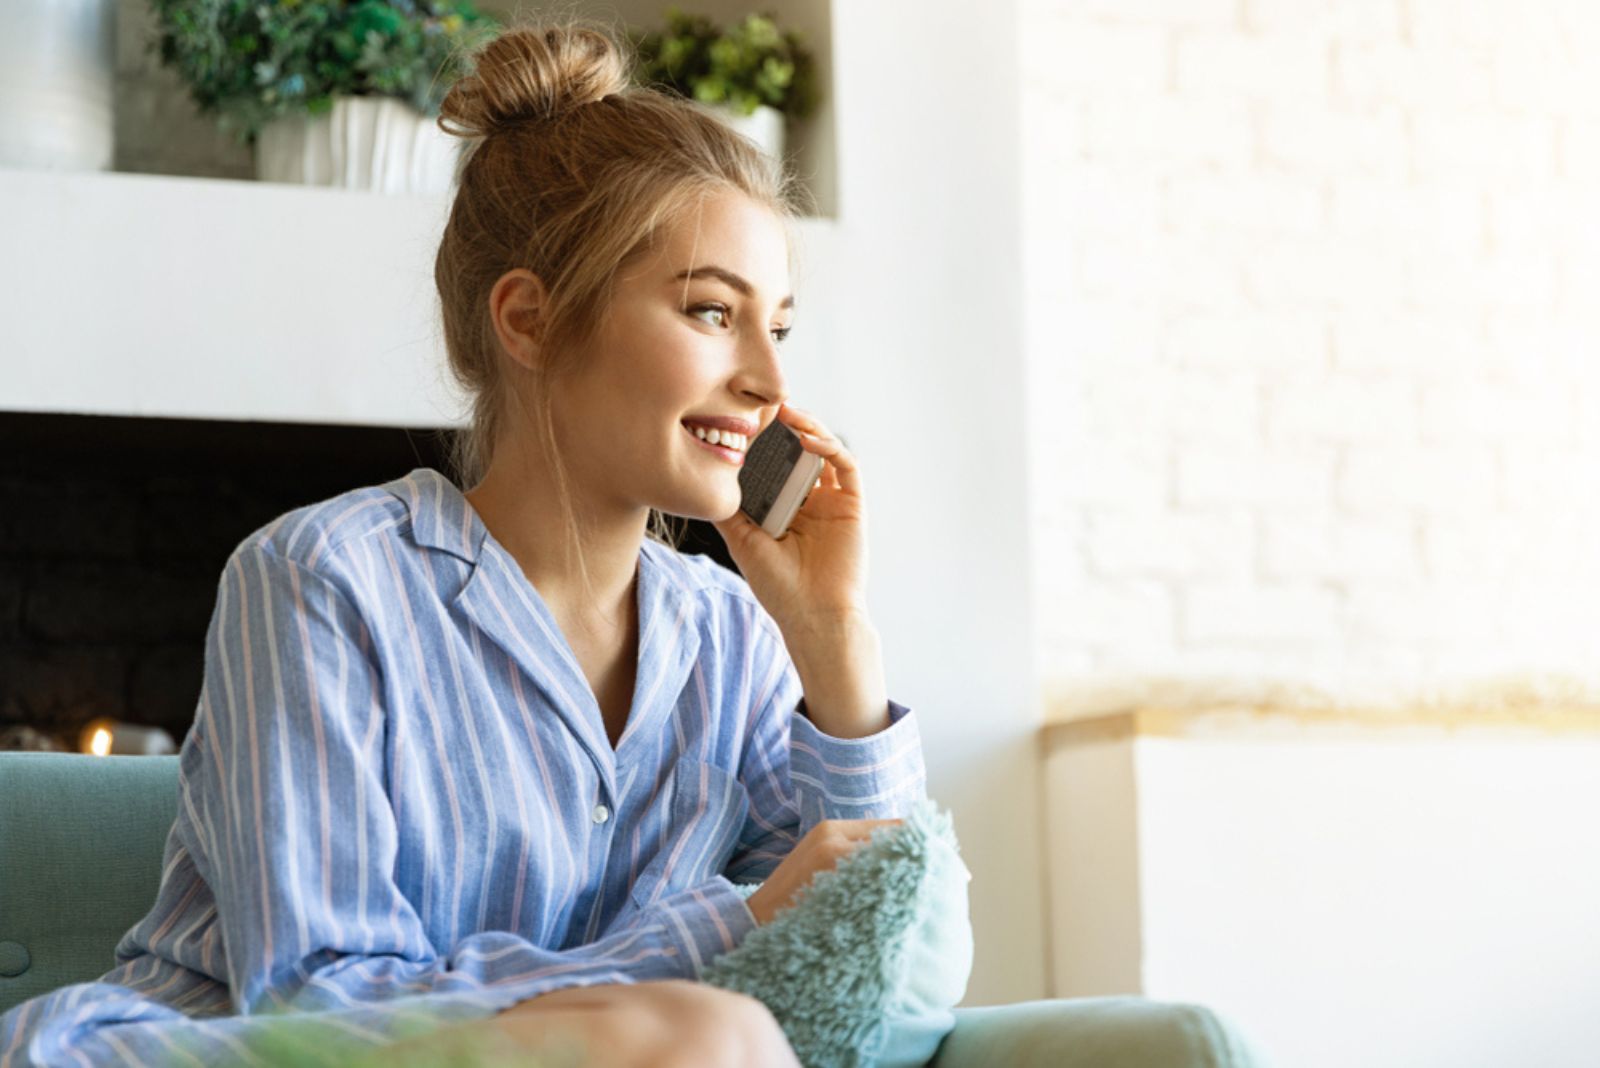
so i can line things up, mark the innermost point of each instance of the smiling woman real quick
(674, 347)
(498, 754)
(577, 194)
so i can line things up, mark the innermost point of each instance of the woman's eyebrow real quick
(725, 275)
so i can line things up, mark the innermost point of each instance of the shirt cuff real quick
(872, 777)
(706, 921)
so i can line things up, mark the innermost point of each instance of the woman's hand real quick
(820, 850)
(817, 572)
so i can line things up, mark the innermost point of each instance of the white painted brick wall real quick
(1314, 338)
(1268, 65)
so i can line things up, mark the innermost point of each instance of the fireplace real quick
(113, 535)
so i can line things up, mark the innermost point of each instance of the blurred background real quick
(1313, 402)
(1224, 376)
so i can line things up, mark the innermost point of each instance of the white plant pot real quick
(57, 69)
(379, 143)
(764, 126)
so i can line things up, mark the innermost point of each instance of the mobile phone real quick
(776, 477)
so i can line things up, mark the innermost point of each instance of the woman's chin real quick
(727, 511)
(709, 507)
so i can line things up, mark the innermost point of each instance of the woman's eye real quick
(717, 308)
(779, 333)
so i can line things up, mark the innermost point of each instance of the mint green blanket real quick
(864, 970)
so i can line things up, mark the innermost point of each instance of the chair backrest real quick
(81, 840)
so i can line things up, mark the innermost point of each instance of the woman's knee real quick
(705, 1025)
(663, 1024)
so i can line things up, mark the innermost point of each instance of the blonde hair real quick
(569, 172)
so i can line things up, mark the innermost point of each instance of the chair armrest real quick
(1101, 1032)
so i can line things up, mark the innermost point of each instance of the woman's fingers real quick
(842, 471)
(862, 829)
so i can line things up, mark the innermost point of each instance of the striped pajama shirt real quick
(398, 792)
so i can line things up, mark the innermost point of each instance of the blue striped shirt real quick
(398, 791)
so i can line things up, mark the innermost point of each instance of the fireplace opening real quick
(113, 535)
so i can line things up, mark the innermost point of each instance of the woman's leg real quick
(665, 1024)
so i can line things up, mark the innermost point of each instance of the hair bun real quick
(533, 74)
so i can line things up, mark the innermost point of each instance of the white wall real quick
(1311, 332)
(925, 376)
(1312, 392)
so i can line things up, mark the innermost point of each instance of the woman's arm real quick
(798, 775)
(840, 664)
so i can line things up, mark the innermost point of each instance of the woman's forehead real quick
(761, 277)
(732, 231)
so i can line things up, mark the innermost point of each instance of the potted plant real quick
(752, 75)
(330, 92)
(280, 1038)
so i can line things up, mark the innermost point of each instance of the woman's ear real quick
(517, 308)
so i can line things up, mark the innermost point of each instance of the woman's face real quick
(693, 331)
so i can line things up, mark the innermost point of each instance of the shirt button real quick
(601, 813)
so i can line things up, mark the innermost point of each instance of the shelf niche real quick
(159, 131)
(809, 143)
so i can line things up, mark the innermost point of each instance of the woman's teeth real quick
(726, 438)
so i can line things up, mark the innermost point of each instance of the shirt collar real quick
(442, 518)
(669, 623)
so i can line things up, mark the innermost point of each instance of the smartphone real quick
(776, 477)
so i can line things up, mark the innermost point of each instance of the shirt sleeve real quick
(797, 775)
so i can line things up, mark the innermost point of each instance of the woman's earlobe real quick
(521, 349)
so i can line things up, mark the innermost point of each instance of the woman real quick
(501, 756)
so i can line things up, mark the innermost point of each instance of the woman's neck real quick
(521, 511)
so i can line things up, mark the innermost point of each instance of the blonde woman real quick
(501, 756)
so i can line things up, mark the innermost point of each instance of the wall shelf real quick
(134, 294)
(174, 286)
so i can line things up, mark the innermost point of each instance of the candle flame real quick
(100, 744)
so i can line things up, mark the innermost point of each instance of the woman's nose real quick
(761, 374)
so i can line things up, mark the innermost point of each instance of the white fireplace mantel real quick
(152, 295)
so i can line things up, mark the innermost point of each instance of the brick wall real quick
(1312, 338)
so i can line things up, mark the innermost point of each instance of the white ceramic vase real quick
(57, 69)
(764, 126)
(379, 143)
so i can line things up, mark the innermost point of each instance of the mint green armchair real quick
(80, 856)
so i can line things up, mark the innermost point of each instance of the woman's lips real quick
(732, 456)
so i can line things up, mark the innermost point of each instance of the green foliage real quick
(281, 1039)
(252, 61)
(751, 64)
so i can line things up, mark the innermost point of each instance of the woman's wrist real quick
(840, 663)
(758, 907)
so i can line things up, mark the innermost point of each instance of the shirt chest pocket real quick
(706, 811)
